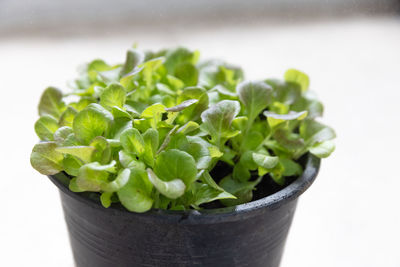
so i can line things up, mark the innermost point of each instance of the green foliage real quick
(113, 96)
(51, 103)
(150, 132)
(255, 96)
(45, 127)
(217, 121)
(297, 77)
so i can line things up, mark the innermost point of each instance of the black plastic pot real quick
(251, 234)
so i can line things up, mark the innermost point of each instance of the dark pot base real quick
(251, 234)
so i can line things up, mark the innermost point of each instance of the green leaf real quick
(91, 122)
(151, 141)
(74, 187)
(176, 57)
(252, 140)
(217, 119)
(298, 77)
(288, 140)
(265, 161)
(113, 95)
(194, 111)
(51, 103)
(105, 199)
(314, 132)
(287, 117)
(119, 126)
(110, 76)
(62, 134)
(163, 88)
(255, 96)
(224, 91)
(205, 194)
(129, 80)
(242, 190)
(98, 65)
(323, 149)
(71, 165)
(175, 164)
(189, 127)
(206, 178)
(277, 174)
(174, 82)
(278, 108)
(129, 160)
(275, 119)
(45, 159)
(120, 181)
(241, 172)
(134, 58)
(135, 195)
(45, 127)
(154, 113)
(167, 139)
(71, 141)
(214, 72)
(118, 112)
(247, 160)
(92, 176)
(82, 152)
(67, 117)
(215, 152)
(149, 68)
(240, 123)
(82, 103)
(200, 153)
(102, 152)
(172, 189)
(132, 141)
(153, 110)
(286, 93)
(290, 167)
(182, 105)
(187, 73)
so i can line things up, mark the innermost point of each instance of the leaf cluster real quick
(150, 132)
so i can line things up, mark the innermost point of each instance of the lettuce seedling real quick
(158, 130)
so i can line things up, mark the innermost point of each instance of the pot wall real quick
(251, 234)
(112, 239)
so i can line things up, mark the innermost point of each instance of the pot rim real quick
(246, 210)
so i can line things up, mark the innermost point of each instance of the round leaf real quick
(113, 95)
(255, 96)
(51, 103)
(45, 127)
(91, 122)
(323, 150)
(45, 159)
(119, 182)
(218, 118)
(175, 164)
(171, 189)
(135, 195)
(298, 77)
(132, 141)
(264, 161)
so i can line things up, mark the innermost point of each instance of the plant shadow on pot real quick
(251, 234)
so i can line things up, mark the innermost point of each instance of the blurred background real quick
(350, 49)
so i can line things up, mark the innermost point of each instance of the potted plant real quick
(167, 161)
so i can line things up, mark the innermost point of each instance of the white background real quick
(349, 217)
